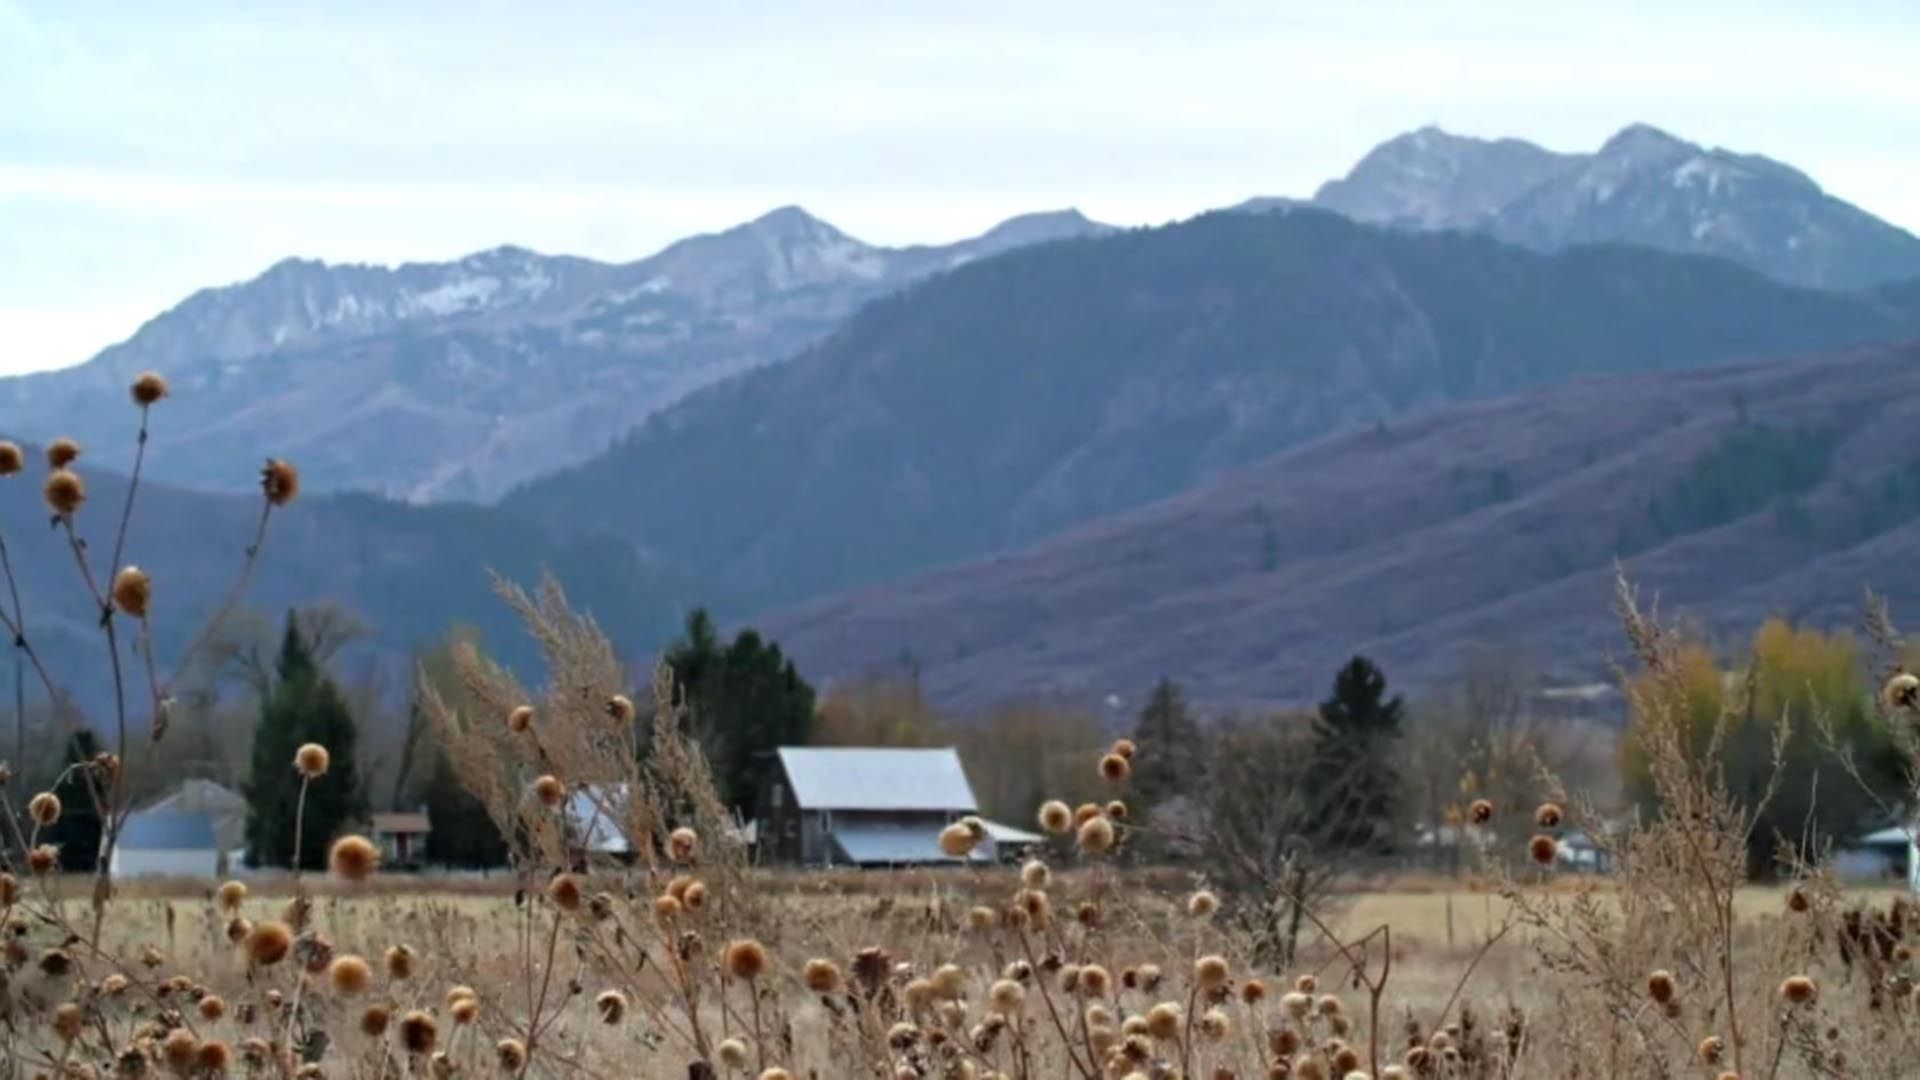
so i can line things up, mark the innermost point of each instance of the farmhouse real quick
(829, 806)
(402, 836)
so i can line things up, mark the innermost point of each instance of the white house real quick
(1889, 853)
(168, 843)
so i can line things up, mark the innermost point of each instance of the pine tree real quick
(1353, 782)
(1166, 761)
(77, 833)
(463, 835)
(303, 706)
(745, 699)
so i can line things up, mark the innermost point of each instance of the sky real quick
(148, 150)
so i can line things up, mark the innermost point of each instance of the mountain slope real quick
(1643, 186)
(411, 571)
(1012, 399)
(461, 379)
(1733, 494)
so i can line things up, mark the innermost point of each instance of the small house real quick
(168, 843)
(869, 806)
(1889, 854)
(402, 836)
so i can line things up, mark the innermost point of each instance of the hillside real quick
(457, 380)
(1014, 398)
(1642, 186)
(412, 572)
(1731, 494)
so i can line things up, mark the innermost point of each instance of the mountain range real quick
(458, 380)
(1008, 400)
(1430, 405)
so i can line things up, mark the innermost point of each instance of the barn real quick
(870, 806)
(168, 843)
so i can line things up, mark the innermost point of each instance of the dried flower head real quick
(231, 895)
(1094, 981)
(1798, 990)
(549, 790)
(821, 976)
(180, 1049)
(1117, 810)
(418, 1032)
(1165, 1020)
(620, 707)
(1710, 1049)
(279, 481)
(1548, 816)
(1902, 692)
(512, 1054)
(399, 962)
(62, 452)
(1034, 874)
(1210, 971)
(12, 458)
(564, 890)
(1214, 1025)
(1542, 849)
(350, 974)
(148, 387)
(1006, 997)
(611, 1005)
(1114, 768)
(1480, 812)
(1798, 901)
(1096, 835)
(269, 942)
(981, 918)
(374, 1021)
(1202, 904)
(1123, 748)
(683, 845)
(464, 1010)
(69, 1020)
(1661, 987)
(311, 760)
(957, 841)
(44, 808)
(132, 591)
(64, 491)
(667, 907)
(745, 959)
(55, 963)
(732, 1053)
(43, 859)
(353, 858)
(212, 1007)
(1055, 816)
(520, 718)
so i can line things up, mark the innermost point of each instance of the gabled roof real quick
(168, 830)
(860, 778)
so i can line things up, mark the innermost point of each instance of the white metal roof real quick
(896, 845)
(861, 778)
(1007, 834)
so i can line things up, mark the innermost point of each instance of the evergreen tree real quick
(745, 700)
(77, 833)
(463, 835)
(1353, 783)
(303, 706)
(1167, 738)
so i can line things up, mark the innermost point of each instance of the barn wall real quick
(166, 863)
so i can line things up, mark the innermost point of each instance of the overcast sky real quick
(149, 149)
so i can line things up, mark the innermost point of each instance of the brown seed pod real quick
(1480, 812)
(148, 388)
(353, 858)
(1548, 816)
(279, 482)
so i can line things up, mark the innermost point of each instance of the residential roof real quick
(402, 822)
(167, 830)
(201, 796)
(861, 778)
(596, 812)
(1892, 834)
(893, 845)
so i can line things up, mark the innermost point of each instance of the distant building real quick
(163, 822)
(168, 843)
(1888, 854)
(870, 806)
(402, 836)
